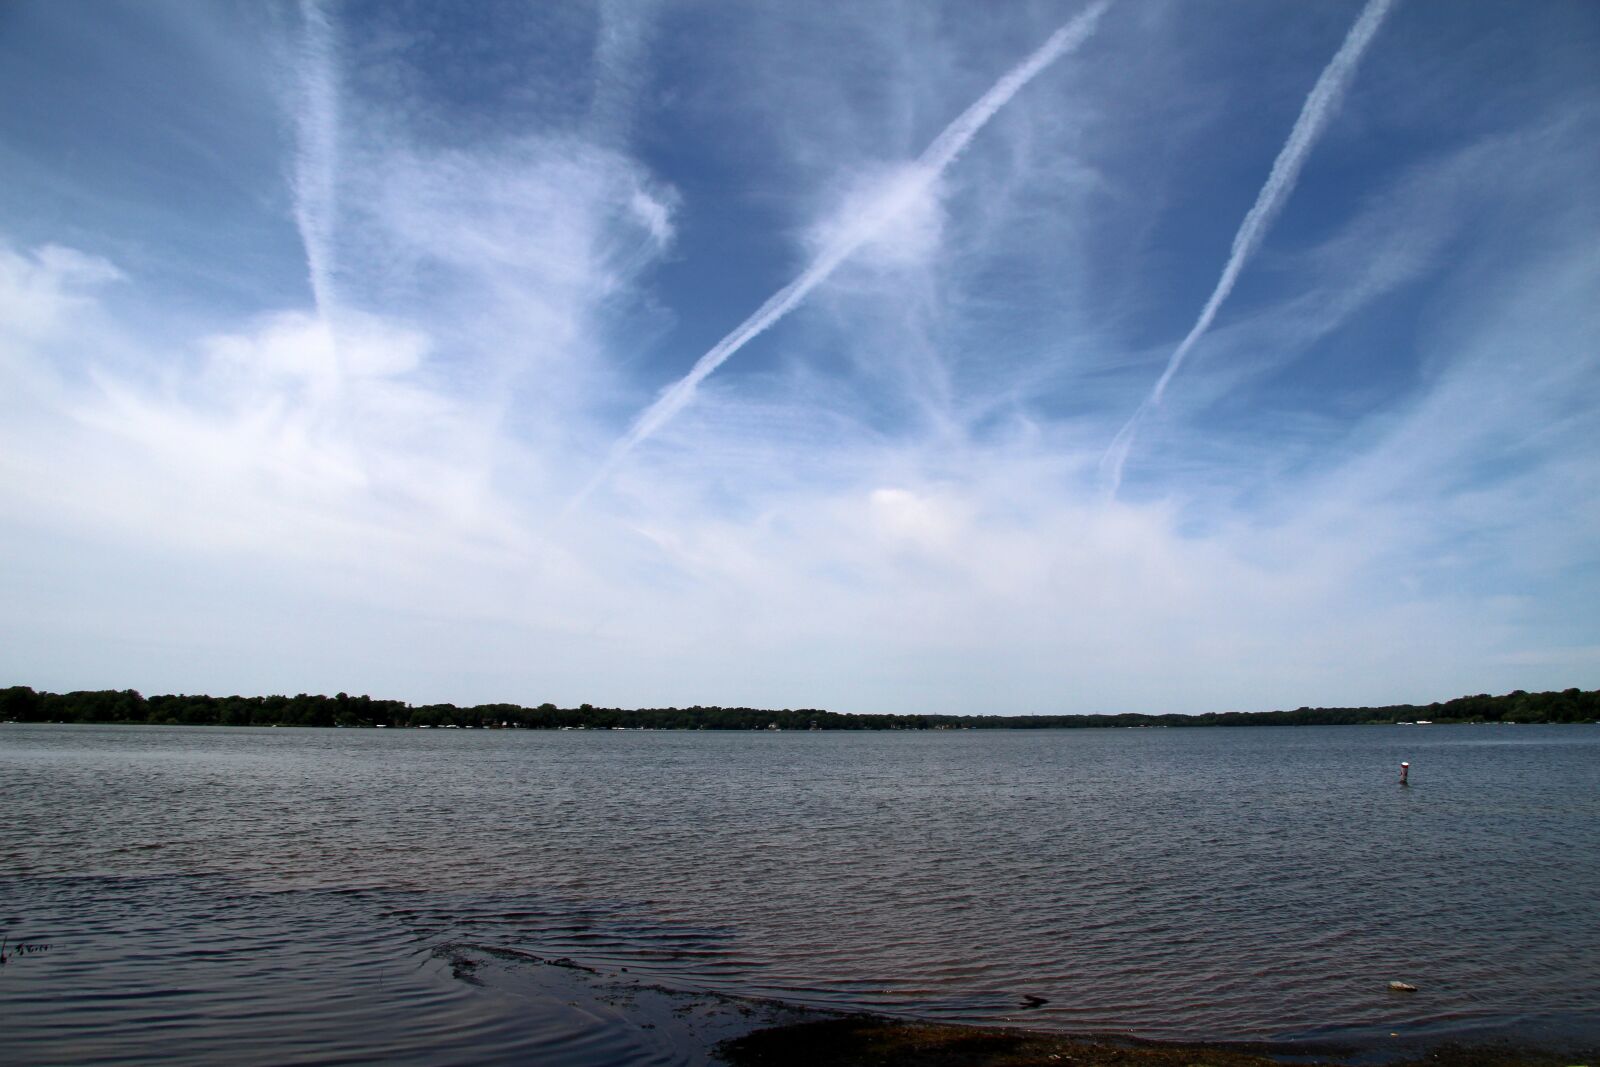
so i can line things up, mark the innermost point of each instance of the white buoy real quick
(1405, 769)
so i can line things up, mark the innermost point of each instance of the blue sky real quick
(364, 346)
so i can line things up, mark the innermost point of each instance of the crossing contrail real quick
(1319, 106)
(927, 169)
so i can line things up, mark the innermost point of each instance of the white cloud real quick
(897, 207)
(41, 292)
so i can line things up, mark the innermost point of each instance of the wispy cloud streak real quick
(1319, 106)
(317, 151)
(620, 70)
(929, 166)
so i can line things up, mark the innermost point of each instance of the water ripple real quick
(197, 884)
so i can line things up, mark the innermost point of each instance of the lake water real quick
(276, 895)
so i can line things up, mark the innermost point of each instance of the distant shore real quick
(127, 706)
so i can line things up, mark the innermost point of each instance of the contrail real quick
(927, 169)
(1319, 105)
(317, 151)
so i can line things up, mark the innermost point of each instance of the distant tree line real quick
(23, 704)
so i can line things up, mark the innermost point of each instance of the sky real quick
(885, 356)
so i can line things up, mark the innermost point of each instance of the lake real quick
(278, 895)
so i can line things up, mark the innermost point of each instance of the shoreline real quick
(862, 1040)
(702, 1027)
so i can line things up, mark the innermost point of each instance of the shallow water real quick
(297, 895)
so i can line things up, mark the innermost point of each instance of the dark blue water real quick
(285, 895)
